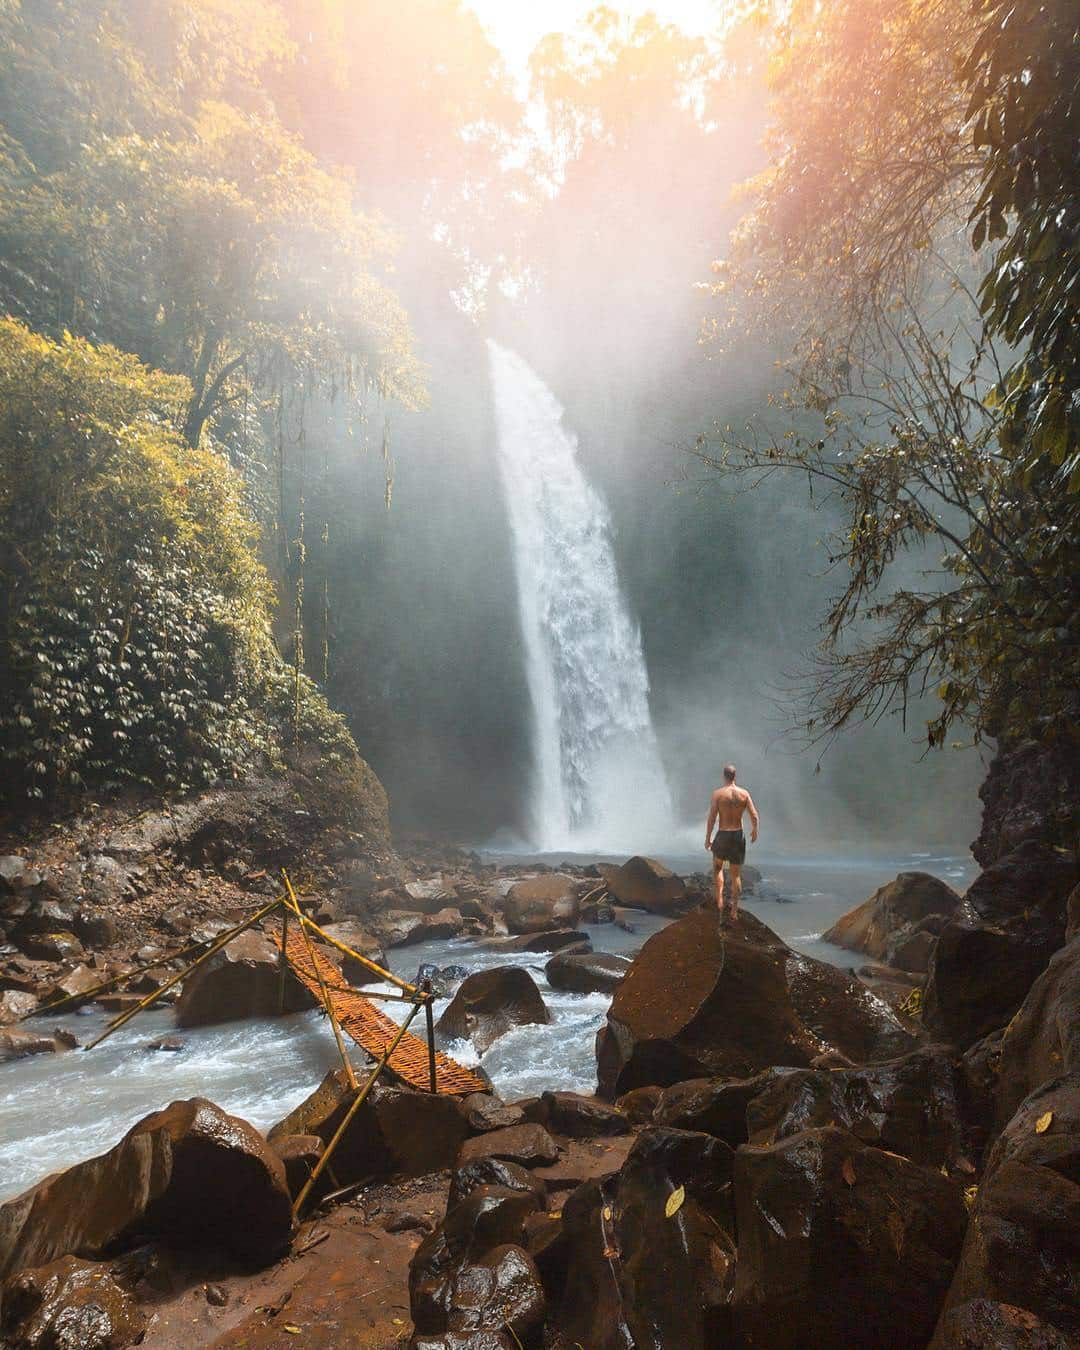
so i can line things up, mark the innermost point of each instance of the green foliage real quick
(1023, 74)
(134, 614)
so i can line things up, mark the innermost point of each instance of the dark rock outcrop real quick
(190, 1174)
(578, 1117)
(644, 883)
(634, 1274)
(491, 1002)
(497, 1172)
(240, 981)
(892, 925)
(841, 1244)
(592, 973)
(981, 1324)
(69, 1304)
(1031, 793)
(1023, 1242)
(695, 1004)
(714, 1106)
(998, 942)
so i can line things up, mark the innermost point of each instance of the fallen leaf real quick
(847, 1171)
(969, 1196)
(610, 1253)
(1044, 1123)
(555, 1214)
(674, 1201)
(397, 1321)
(607, 1213)
(293, 1331)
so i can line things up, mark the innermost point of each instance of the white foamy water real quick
(598, 779)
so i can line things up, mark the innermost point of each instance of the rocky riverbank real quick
(777, 1155)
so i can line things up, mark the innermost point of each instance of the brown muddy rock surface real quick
(644, 883)
(982, 1324)
(889, 926)
(841, 1244)
(1043, 1039)
(542, 904)
(240, 981)
(529, 1145)
(635, 1276)
(69, 1305)
(1023, 1242)
(489, 1004)
(698, 1005)
(591, 973)
(998, 942)
(190, 1174)
(909, 1106)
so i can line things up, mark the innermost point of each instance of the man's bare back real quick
(727, 806)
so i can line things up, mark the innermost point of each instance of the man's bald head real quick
(729, 773)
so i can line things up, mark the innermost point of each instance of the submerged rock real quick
(490, 1003)
(841, 1244)
(696, 1004)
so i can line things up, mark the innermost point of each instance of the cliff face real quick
(1032, 791)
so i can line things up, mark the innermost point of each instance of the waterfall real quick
(597, 779)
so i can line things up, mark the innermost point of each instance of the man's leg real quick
(718, 877)
(736, 887)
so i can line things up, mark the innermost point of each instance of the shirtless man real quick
(728, 845)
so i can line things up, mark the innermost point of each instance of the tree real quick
(855, 242)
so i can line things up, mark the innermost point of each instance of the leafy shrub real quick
(134, 613)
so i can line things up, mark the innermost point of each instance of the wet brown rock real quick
(634, 1276)
(500, 1289)
(644, 883)
(96, 929)
(60, 946)
(490, 1003)
(542, 904)
(1023, 1242)
(76, 985)
(997, 943)
(526, 1144)
(497, 1172)
(428, 896)
(17, 1044)
(299, 1154)
(909, 1106)
(190, 1174)
(638, 1104)
(984, 1325)
(594, 973)
(841, 1244)
(463, 1340)
(69, 1305)
(578, 1117)
(698, 1005)
(714, 1106)
(1043, 1039)
(484, 1111)
(240, 981)
(887, 926)
(363, 942)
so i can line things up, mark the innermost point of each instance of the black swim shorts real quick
(729, 846)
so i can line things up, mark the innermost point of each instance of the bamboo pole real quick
(429, 1013)
(356, 956)
(328, 1002)
(222, 941)
(283, 960)
(361, 1097)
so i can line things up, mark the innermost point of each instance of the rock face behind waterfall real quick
(698, 1005)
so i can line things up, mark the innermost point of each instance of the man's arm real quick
(713, 809)
(753, 818)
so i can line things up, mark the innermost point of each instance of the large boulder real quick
(586, 973)
(356, 936)
(1043, 1039)
(242, 980)
(909, 1106)
(1023, 1242)
(841, 1244)
(892, 925)
(644, 883)
(426, 897)
(997, 943)
(69, 1305)
(190, 1174)
(698, 1004)
(397, 1132)
(528, 1145)
(637, 1275)
(542, 904)
(490, 1003)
